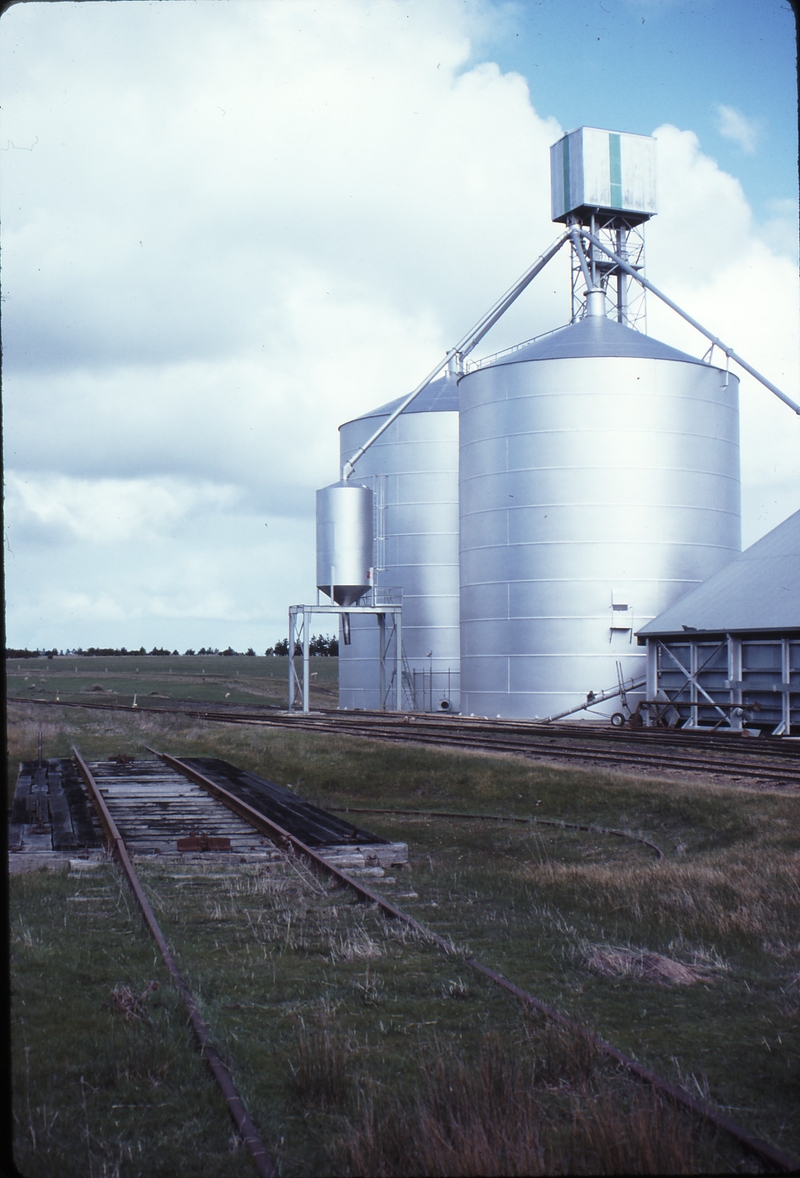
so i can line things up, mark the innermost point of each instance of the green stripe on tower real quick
(615, 170)
(565, 173)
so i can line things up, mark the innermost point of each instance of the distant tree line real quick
(91, 652)
(30, 654)
(320, 645)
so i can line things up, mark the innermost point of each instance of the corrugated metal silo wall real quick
(594, 492)
(413, 469)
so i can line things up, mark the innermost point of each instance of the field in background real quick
(205, 678)
(340, 1034)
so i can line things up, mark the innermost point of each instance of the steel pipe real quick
(685, 315)
(462, 348)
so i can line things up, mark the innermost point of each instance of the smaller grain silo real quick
(413, 472)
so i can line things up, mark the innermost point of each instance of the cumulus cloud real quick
(707, 253)
(733, 125)
(779, 230)
(241, 225)
(110, 511)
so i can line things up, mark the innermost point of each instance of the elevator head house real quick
(727, 654)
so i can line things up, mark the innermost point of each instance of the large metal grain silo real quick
(599, 481)
(413, 471)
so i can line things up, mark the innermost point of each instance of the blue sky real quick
(227, 227)
(634, 64)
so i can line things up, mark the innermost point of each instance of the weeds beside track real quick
(762, 1150)
(371, 994)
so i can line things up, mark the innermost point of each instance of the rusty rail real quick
(774, 1158)
(274, 830)
(653, 752)
(265, 1167)
(533, 821)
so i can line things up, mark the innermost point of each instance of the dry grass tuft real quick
(649, 967)
(129, 1004)
(513, 1111)
(355, 945)
(648, 1136)
(456, 988)
(319, 1075)
(736, 893)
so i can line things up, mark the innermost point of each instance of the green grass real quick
(203, 678)
(279, 966)
(96, 1093)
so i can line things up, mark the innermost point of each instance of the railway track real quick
(155, 807)
(265, 1167)
(775, 768)
(169, 776)
(766, 762)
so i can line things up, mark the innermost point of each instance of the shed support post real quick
(306, 668)
(693, 712)
(735, 679)
(382, 660)
(398, 663)
(651, 687)
(785, 688)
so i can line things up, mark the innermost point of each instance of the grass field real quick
(359, 1049)
(204, 678)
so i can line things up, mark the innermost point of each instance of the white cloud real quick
(708, 255)
(107, 511)
(243, 224)
(733, 125)
(779, 231)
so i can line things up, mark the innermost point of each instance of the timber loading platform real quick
(161, 811)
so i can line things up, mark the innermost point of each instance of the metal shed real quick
(727, 654)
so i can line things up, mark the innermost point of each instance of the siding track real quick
(772, 762)
(103, 794)
(265, 1167)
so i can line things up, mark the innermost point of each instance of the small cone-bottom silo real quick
(413, 471)
(344, 541)
(599, 482)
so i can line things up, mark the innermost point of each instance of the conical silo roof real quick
(594, 335)
(441, 396)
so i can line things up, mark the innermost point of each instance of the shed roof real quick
(759, 590)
